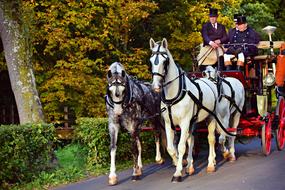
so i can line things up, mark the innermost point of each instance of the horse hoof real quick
(226, 155)
(176, 179)
(160, 162)
(135, 177)
(232, 158)
(211, 169)
(113, 180)
(190, 171)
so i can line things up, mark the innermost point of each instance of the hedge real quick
(25, 151)
(93, 133)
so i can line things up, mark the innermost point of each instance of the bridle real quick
(116, 84)
(116, 81)
(156, 62)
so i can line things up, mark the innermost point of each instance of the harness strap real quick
(205, 55)
(199, 104)
(232, 98)
(181, 94)
(107, 101)
(194, 118)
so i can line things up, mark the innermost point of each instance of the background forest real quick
(75, 41)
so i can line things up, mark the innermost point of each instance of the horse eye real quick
(123, 74)
(109, 74)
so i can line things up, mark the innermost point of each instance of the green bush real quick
(93, 132)
(25, 151)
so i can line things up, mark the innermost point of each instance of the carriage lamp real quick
(269, 79)
(269, 30)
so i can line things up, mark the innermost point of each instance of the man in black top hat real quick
(214, 34)
(242, 43)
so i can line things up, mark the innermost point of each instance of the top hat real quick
(235, 17)
(241, 19)
(213, 12)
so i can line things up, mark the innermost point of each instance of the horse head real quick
(117, 84)
(159, 62)
(210, 73)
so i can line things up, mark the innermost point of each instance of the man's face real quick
(242, 27)
(213, 19)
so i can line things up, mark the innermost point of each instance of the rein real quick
(205, 55)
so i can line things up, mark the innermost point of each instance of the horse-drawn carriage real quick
(232, 103)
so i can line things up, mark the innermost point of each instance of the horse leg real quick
(211, 140)
(190, 167)
(177, 177)
(222, 142)
(113, 131)
(158, 158)
(232, 156)
(170, 143)
(137, 169)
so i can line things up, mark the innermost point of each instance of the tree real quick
(75, 42)
(17, 51)
(258, 17)
(274, 8)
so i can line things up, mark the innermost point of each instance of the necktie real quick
(214, 26)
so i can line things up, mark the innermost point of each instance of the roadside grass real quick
(70, 167)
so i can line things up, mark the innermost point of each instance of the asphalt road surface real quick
(251, 171)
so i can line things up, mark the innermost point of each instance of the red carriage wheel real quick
(266, 136)
(280, 131)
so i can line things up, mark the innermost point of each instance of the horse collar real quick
(181, 91)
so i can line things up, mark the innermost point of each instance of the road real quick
(251, 171)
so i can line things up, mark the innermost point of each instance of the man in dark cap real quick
(242, 43)
(214, 34)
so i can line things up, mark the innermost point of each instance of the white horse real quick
(128, 101)
(185, 102)
(230, 103)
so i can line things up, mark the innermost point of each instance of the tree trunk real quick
(18, 58)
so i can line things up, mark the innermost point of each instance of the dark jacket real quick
(245, 41)
(209, 33)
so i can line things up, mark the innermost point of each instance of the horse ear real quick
(164, 43)
(109, 75)
(123, 74)
(151, 43)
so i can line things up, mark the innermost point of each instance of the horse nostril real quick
(157, 90)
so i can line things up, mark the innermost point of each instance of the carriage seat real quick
(266, 44)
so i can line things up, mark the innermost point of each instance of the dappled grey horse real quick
(128, 103)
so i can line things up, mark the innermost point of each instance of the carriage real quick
(234, 103)
(263, 115)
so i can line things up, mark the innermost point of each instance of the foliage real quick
(275, 9)
(72, 155)
(75, 41)
(260, 20)
(25, 151)
(93, 133)
(71, 161)
(71, 168)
